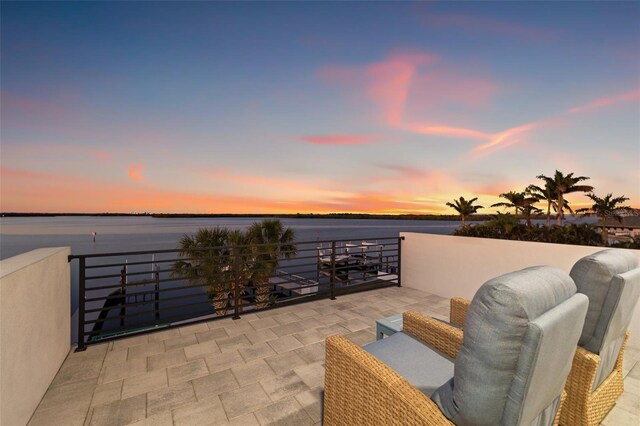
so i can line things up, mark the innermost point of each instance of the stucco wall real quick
(457, 266)
(34, 328)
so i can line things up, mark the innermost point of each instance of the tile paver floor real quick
(266, 368)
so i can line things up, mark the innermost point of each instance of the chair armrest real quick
(440, 335)
(361, 390)
(458, 312)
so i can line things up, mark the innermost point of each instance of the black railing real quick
(132, 292)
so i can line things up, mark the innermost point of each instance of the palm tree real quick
(605, 208)
(274, 242)
(465, 208)
(565, 184)
(241, 257)
(517, 200)
(205, 264)
(528, 211)
(546, 193)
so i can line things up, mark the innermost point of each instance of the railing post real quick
(81, 301)
(123, 294)
(400, 239)
(157, 288)
(333, 270)
(236, 287)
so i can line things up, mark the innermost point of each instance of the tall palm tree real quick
(565, 184)
(528, 211)
(205, 264)
(274, 242)
(605, 208)
(465, 208)
(546, 193)
(517, 200)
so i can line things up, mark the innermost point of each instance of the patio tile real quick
(232, 343)
(287, 361)
(222, 361)
(109, 392)
(251, 372)
(285, 318)
(287, 412)
(362, 337)
(193, 329)
(306, 312)
(256, 351)
(236, 329)
(116, 357)
(205, 412)
(284, 330)
(285, 344)
(311, 401)
(212, 334)
(161, 419)
(166, 359)
(188, 371)
(312, 353)
(621, 417)
(180, 342)
(126, 369)
(169, 398)
(312, 375)
(262, 323)
(130, 341)
(214, 384)
(261, 336)
(67, 416)
(283, 386)
(144, 383)
(143, 351)
(119, 412)
(160, 336)
(354, 324)
(244, 400)
(244, 420)
(201, 350)
(77, 372)
(70, 395)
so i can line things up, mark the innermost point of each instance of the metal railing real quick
(125, 293)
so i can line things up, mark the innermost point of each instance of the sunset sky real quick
(313, 107)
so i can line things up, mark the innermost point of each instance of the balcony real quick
(267, 366)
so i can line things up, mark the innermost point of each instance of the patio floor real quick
(264, 369)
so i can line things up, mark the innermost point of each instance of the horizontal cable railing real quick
(133, 292)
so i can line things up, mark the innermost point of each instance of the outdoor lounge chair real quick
(509, 367)
(611, 280)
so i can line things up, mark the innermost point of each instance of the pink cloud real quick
(339, 139)
(454, 132)
(487, 25)
(602, 102)
(135, 171)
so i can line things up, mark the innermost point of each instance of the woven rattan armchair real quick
(496, 365)
(592, 388)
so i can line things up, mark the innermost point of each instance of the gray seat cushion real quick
(496, 325)
(424, 367)
(593, 276)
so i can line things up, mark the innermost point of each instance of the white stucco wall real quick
(457, 266)
(35, 338)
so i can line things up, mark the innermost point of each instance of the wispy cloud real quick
(339, 139)
(136, 171)
(602, 102)
(477, 23)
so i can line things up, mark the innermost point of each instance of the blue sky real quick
(313, 107)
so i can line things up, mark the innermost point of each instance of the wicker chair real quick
(508, 368)
(611, 280)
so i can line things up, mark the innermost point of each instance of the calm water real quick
(115, 234)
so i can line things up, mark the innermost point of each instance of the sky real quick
(375, 107)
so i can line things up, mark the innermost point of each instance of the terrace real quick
(267, 366)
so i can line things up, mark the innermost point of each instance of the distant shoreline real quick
(443, 217)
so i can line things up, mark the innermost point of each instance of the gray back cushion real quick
(616, 316)
(594, 277)
(497, 323)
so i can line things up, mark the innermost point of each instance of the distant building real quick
(628, 228)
